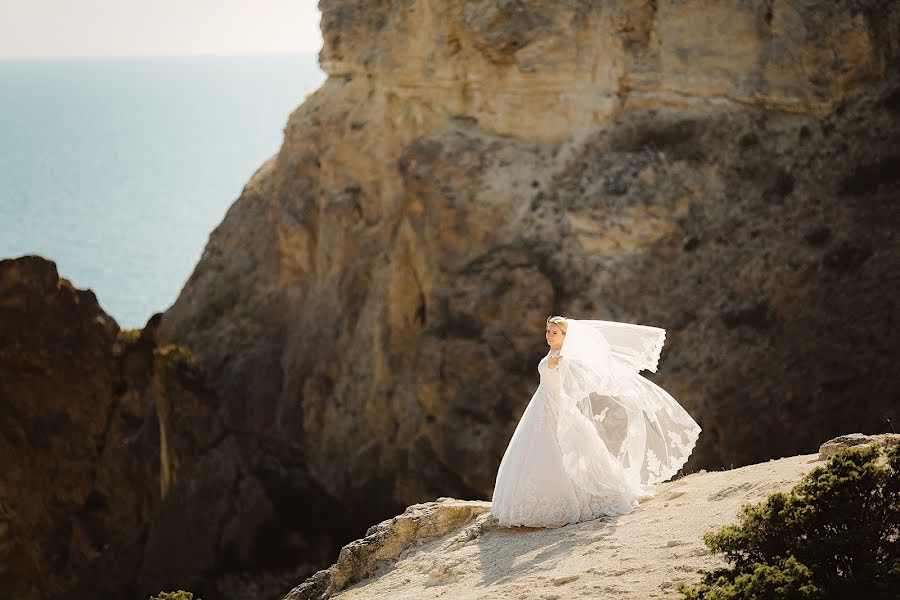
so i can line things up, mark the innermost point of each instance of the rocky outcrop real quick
(835, 445)
(66, 486)
(387, 541)
(118, 478)
(455, 549)
(724, 170)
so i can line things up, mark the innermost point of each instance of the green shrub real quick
(179, 595)
(836, 534)
(130, 336)
(180, 361)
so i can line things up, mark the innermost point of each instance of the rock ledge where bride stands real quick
(454, 549)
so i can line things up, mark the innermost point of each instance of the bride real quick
(596, 435)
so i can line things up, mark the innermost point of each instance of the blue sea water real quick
(117, 169)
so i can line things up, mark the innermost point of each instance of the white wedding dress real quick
(596, 435)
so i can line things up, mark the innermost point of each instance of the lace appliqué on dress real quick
(538, 509)
(541, 510)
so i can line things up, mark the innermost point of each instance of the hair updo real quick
(559, 322)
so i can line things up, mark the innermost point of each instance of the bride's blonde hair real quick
(559, 322)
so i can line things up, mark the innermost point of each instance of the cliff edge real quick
(454, 549)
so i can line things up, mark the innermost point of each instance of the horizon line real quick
(166, 55)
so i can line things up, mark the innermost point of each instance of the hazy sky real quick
(71, 28)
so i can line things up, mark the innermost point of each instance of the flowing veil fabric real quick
(650, 434)
(596, 435)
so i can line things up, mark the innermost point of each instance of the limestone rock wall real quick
(549, 70)
(376, 296)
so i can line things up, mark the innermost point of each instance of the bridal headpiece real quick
(561, 322)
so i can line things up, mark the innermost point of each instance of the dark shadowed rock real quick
(117, 476)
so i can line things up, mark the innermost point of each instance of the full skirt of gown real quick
(572, 459)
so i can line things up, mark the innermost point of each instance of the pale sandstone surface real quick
(640, 555)
(548, 70)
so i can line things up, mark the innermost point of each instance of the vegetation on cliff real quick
(179, 595)
(836, 534)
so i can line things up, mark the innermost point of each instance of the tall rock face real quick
(726, 170)
(117, 476)
(58, 496)
(552, 70)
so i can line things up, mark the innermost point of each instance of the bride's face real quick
(555, 336)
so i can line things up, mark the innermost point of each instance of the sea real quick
(117, 169)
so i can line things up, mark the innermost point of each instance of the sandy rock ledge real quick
(454, 549)
(387, 541)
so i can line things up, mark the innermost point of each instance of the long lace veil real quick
(645, 430)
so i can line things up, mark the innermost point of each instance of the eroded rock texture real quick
(117, 476)
(728, 171)
(61, 479)
(370, 311)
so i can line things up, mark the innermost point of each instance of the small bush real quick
(836, 534)
(179, 595)
(180, 362)
(130, 337)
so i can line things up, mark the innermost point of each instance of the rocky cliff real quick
(726, 170)
(117, 476)
(368, 316)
